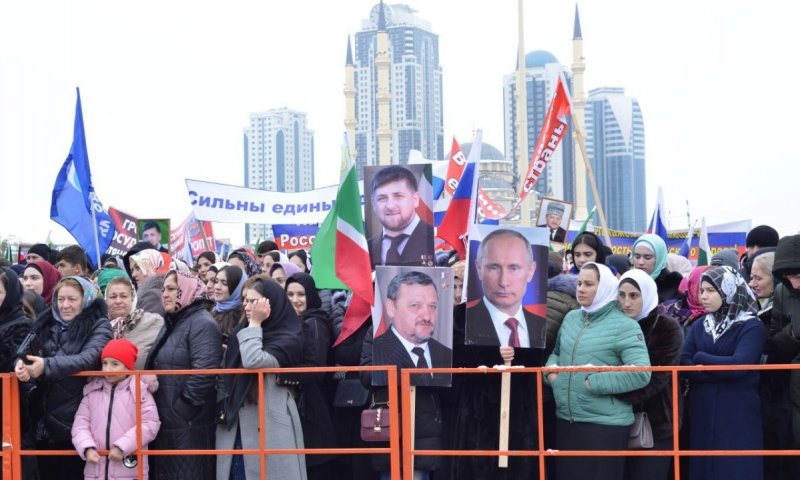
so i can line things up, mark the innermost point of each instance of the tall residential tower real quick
(278, 157)
(405, 76)
(615, 145)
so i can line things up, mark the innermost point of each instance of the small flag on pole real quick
(704, 256)
(657, 225)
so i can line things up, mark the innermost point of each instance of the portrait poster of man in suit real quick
(398, 215)
(506, 292)
(554, 215)
(413, 327)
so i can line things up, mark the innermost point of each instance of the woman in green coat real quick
(589, 416)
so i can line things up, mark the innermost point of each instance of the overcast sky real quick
(168, 86)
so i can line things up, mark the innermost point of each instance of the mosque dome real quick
(539, 58)
(488, 152)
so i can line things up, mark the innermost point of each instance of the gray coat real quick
(282, 430)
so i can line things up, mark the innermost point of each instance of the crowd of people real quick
(262, 309)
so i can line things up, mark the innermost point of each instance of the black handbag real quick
(350, 393)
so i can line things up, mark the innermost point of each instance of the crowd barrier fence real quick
(404, 454)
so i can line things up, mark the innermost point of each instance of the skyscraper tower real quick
(615, 145)
(398, 78)
(278, 156)
(542, 70)
(578, 108)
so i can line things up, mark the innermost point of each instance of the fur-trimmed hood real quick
(79, 328)
(564, 283)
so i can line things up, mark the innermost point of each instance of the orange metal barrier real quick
(12, 451)
(541, 453)
(11, 428)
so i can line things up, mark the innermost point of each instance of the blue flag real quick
(74, 198)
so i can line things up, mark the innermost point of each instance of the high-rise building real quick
(414, 90)
(542, 70)
(615, 145)
(278, 156)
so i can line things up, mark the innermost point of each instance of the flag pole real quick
(522, 119)
(592, 182)
(96, 240)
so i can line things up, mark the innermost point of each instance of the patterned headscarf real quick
(606, 288)
(152, 262)
(738, 302)
(656, 245)
(90, 293)
(251, 266)
(646, 285)
(190, 288)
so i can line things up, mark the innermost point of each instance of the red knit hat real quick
(122, 350)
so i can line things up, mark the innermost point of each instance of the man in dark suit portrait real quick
(411, 304)
(554, 213)
(405, 239)
(505, 266)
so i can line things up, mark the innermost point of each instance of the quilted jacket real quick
(604, 338)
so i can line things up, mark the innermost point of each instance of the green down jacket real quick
(604, 338)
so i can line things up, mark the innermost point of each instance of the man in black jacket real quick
(783, 343)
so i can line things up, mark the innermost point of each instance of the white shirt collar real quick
(499, 321)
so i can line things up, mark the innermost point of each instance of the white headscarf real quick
(647, 286)
(606, 288)
(677, 263)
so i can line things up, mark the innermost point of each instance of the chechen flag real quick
(340, 250)
(704, 255)
(461, 212)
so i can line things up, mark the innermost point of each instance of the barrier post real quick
(676, 387)
(540, 419)
(262, 426)
(7, 445)
(394, 419)
(138, 391)
(16, 429)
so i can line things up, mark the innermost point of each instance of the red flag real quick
(455, 168)
(554, 129)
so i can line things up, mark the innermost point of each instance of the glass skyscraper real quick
(615, 145)
(416, 117)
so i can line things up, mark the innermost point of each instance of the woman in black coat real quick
(190, 339)
(638, 299)
(14, 326)
(73, 333)
(315, 389)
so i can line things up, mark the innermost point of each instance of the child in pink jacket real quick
(106, 418)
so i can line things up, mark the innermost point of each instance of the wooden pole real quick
(505, 403)
(592, 182)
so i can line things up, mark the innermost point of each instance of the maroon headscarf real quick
(51, 278)
(691, 287)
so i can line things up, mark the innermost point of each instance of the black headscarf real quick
(282, 337)
(11, 308)
(307, 281)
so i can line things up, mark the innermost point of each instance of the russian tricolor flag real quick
(461, 212)
(657, 225)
